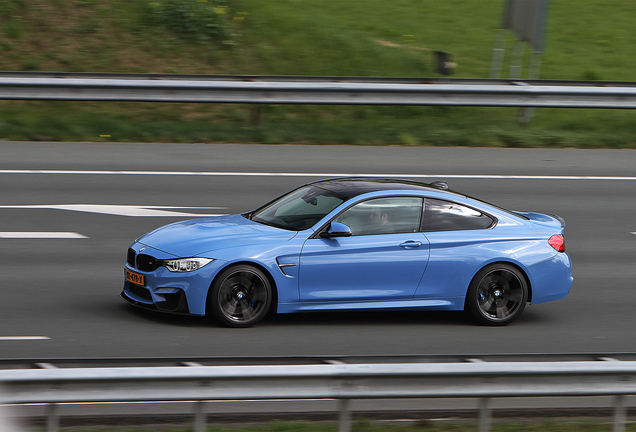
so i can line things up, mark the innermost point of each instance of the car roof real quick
(350, 187)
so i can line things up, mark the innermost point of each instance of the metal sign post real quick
(527, 21)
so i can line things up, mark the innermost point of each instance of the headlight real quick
(186, 264)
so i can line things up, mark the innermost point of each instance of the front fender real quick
(280, 261)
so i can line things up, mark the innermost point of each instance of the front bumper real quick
(176, 302)
(165, 291)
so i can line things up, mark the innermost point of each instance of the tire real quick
(240, 296)
(497, 295)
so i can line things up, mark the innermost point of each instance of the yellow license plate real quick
(135, 278)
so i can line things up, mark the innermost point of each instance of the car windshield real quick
(298, 210)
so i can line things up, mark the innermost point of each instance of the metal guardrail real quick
(342, 382)
(319, 79)
(317, 90)
(118, 362)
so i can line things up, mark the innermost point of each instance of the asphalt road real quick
(67, 289)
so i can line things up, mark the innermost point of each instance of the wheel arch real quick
(510, 263)
(266, 272)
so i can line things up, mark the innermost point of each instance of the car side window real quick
(383, 216)
(449, 216)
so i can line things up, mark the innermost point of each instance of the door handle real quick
(411, 244)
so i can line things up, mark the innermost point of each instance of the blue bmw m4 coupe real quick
(353, 244)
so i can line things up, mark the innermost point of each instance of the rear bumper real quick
(551, 279)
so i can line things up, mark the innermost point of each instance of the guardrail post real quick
(620, 412)
(345, 415)
(199, 417)
(52, 418)
(485, 415)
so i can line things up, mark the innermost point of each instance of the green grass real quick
(587, 39)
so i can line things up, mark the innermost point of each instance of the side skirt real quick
(452, 303)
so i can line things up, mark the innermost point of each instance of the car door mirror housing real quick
(336, 229)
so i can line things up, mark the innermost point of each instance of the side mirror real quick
(336, 229)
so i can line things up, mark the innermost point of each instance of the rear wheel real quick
(240, 296)
(497, 294)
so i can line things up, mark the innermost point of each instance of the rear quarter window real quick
(449, 216)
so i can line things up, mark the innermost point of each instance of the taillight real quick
(557, 242)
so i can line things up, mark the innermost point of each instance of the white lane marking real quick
(634, 233)
(40, 235)
(119, 210)
(23, 338)
(327, 175)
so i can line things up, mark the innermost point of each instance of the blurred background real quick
(588, 40)
(585, 40)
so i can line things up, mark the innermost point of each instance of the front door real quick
(384, 258)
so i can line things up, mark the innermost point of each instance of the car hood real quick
(195, 237)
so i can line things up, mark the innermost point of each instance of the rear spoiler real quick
(557, 217)
(543, 218)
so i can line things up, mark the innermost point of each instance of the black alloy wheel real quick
(240, 296)
(497, 294)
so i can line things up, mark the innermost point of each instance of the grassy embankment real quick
(587, 39)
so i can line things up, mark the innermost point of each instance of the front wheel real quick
(240, 296)
(497, 295)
